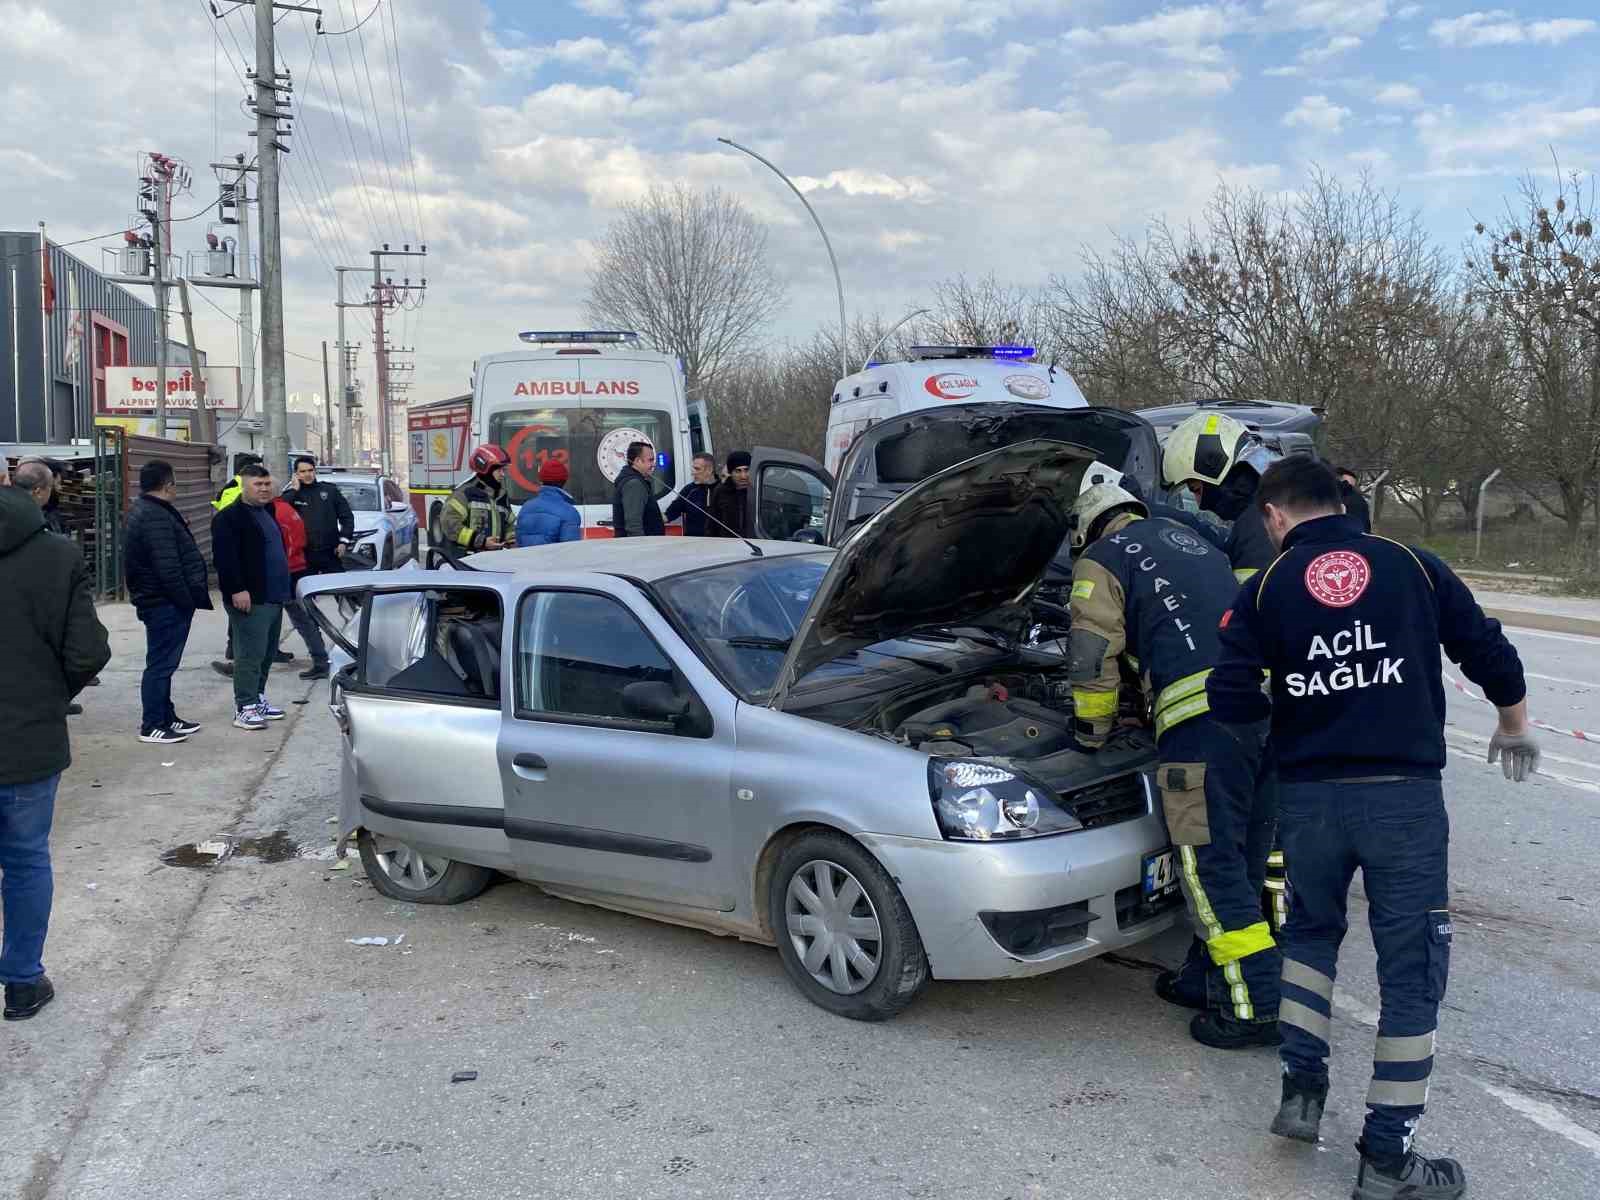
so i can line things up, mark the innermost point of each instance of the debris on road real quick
(368, 941)
(463, 1077)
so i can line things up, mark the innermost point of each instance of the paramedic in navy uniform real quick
(1349, 625)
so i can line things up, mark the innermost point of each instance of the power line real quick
(349, 130)
(201, 292)
(398, 78)
(356, 26)
(313, 156)
(377, 122)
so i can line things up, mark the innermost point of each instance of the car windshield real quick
(746, 614)
(361, 493)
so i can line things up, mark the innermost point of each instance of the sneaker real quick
(1170, 987)
(1222, 1032)
(267, 712)
(187, 728)
(1300, 1111)
(222, 667)
(74, 710)
(319, 670)
(1410, 1178)
(24, 1000)
(163, 733)
(249, 718)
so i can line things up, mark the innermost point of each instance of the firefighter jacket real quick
(1350, 626)
(229, 493)
(1150, 593)
(475, 512)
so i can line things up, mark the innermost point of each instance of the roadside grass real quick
(1526, 547)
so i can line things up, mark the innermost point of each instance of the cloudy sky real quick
(933, 136)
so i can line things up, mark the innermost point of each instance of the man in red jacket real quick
(294, 546)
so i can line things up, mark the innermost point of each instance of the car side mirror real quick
(398, 506)
(652, 700)
(812, 537)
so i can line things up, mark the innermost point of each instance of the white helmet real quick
(1095, 503)
(1204, 447)
(1098, 472)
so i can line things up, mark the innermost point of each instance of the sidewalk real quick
(118, 908)
(1558, 614)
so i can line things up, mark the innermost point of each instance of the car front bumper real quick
(1096, 872)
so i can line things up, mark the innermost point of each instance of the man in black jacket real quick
(253, 576)
(52, 644)
(166, 583)
(634, 511)
(326, 514)
(694, 498)
(730, 500)
(1355, 504)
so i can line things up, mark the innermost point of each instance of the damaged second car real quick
(862, 756)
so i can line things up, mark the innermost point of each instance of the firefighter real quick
(478, 516)
(1152, 592)
(1350, 626)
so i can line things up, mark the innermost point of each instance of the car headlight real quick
(363, 533)
(983, 802)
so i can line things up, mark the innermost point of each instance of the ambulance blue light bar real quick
(568, 337)
(1009, 353)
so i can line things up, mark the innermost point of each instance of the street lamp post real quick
(893, 329)
(844, 362)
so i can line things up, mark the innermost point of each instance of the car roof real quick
(647, 559)
(1262, 414)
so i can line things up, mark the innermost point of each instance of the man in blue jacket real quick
(551, 516)
(253, 576)
(1349, 625)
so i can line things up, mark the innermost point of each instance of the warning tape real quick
(1581, 735)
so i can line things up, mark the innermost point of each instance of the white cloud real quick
(1398, 95)
(1191, 34)
(1283, 72)
(1339, 44)
(1501, 27)
(608, 10)
(1317, 113)
(1147, 82)
(1499, 93)
(1348, 16)
(862, 182)
(1408, 12)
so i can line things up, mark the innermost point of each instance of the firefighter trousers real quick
(1218, 796)
(1396, 831)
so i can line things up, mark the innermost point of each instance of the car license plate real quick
(1160, 874)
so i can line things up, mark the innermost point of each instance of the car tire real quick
(899, 964)
(433, 523)
(416, 545)
(386, 563)
(402, 873)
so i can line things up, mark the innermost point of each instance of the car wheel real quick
(416, 545)
(844, 932)
(387, 563)
(433, 524)
(402, 872)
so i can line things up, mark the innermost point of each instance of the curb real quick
(1549, 622)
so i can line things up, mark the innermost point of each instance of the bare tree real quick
(689, 271)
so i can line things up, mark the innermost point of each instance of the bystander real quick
(253, 576)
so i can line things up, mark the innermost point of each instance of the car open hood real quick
(964, 547)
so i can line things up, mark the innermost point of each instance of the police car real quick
(387, 533)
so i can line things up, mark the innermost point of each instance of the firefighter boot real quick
(1300, 1110)
(1222, 1032)
(1410, 1177)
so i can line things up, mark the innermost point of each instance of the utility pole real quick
(205, 416)
(327, 409)
(247, 305)
(272, 100)
(346, 391)
(384, 293)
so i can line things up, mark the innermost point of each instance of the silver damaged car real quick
(855, 755)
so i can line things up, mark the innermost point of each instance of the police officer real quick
(1217, 459)
(326, 514)
(477, 515)
(1150, 591)
(1350, 626)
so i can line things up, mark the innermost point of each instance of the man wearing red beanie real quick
(550, 516)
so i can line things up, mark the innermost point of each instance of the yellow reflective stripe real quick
(1238, 992)
(1242, 573)
(1090, 705)
(1082, 589)
(1132, 662)
(1292, 1012)
(1231, 946)
(1181, 712)
(1398, 1093)
(1211, 424)
(1187, 686)
(465, 536)
(1263, 586)
(1199, 903)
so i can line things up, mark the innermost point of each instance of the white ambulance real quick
(934, 376)
(578, 397)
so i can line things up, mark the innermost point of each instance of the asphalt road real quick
(219, 1036)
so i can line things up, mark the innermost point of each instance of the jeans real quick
(1222, 826)
(1397, 832)
(255, 641)
(166, 632)
(26, 810)
(306, 626)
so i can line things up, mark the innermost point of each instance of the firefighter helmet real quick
(1204, 447)
(487, 457)
(1096, 503)
(1096, 473)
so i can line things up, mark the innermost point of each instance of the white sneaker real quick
(267, 711)
(249, 718)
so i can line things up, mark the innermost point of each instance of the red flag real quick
(49, 278)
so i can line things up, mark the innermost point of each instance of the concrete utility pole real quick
(205, 417)
(275, 395)
(327, 409)
(247, 303)
(158, 229)
(384, 293)
(346, 392)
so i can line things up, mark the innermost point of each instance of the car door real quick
(598, 796)
(402, 519)
(420, 714)
(791, 492)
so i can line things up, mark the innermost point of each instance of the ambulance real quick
(937, 376)
(577, 397)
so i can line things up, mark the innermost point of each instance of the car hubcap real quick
(407, 867)
(833, 926)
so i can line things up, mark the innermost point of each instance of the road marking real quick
(1583, 785)
(1583, 683)
(1546, 1116)
(1544, 755)
(1580, 639)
